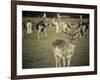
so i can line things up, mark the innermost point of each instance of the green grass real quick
(39, 53)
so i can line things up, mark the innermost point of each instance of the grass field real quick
(39, 53)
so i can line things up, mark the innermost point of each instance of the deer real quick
(62, 23)
(29, 27)
(41, 27)
(63, 49)
(84, 26)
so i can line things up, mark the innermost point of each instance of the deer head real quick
(71, 34)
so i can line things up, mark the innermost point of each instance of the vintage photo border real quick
(14, 39)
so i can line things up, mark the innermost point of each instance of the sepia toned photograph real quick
(53, 39)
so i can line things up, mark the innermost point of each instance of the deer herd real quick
(62, 49)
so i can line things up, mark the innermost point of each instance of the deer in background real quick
(58, 22)
(65, 48)
(84, 26)
(29, 27)
(41, 27)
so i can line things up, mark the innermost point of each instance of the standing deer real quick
(65, 26)
(41, 27)
(29, 27)
(57, 26)
(65, 49)
(83, 27)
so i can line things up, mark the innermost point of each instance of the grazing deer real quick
(65, 49)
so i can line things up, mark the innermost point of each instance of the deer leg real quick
(85, 34)
(56, 59)
(64, 62)
(69, 61)
(69, 57)
(57, 29)
(41, 35)
(59, 62)
(38, 34)
(45, 33)
(56, 62)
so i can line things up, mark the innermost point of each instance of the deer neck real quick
(71, 45)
